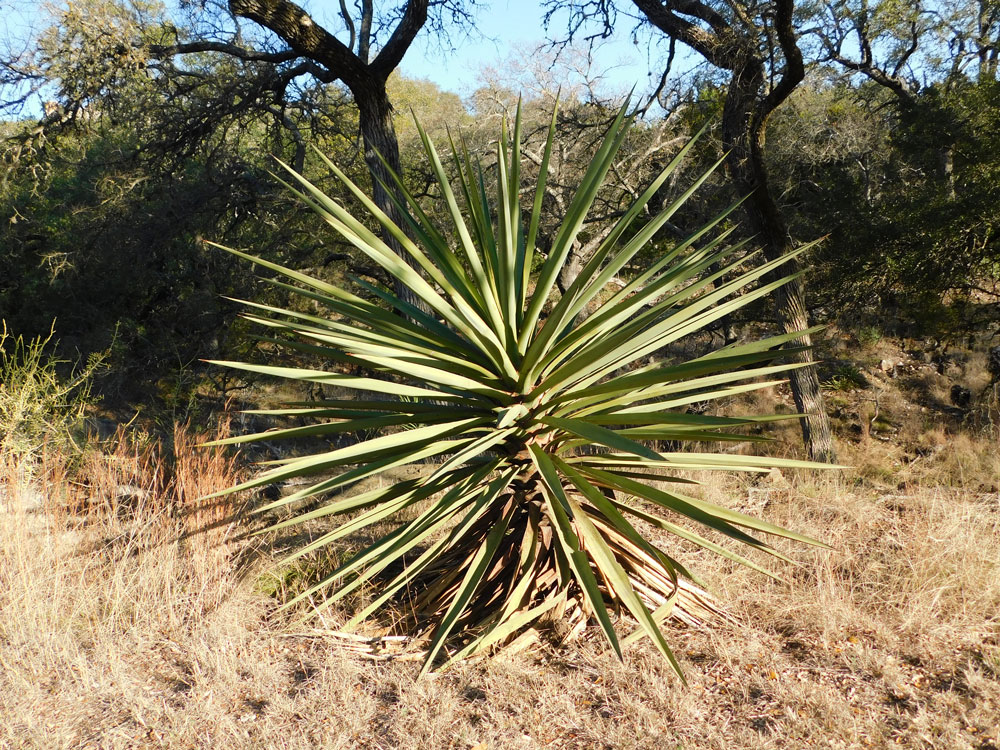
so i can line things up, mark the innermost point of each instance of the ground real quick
(119, 628)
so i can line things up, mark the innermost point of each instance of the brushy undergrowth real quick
(37, 404)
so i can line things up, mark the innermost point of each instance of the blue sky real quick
(503, 26)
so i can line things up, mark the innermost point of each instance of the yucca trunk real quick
(529, 553)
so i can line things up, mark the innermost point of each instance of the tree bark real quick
(379, 136)
(743, 137)
(366, 82)
(735, 45)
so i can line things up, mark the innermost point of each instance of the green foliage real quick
(846, 377)
(868, 336)
(291, 580)
(104, 243)
(526, 419)
(907, 191)
(102, 235)
(37, 405)
(102, 202)
(940, 225)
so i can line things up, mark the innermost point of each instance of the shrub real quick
(36, 404)
(525, 418)
(846, 377)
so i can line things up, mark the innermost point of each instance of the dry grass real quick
(119, 628)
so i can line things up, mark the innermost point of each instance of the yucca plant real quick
(529, 419)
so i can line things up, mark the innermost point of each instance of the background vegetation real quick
(159, 121)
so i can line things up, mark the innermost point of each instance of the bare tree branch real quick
(233, 50)
(350, 23)
(305, 36)
(412, 21)
(365, 40)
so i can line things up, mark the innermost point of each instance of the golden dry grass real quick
(120, 629)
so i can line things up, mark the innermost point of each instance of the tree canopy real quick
(873, 124)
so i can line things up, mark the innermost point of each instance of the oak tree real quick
(756, 46)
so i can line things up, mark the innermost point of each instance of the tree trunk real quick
(366, 80)
(736, 46)
(571, 270)
(379, 136)
(743, 137)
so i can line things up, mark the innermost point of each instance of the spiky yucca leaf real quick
(495, 391)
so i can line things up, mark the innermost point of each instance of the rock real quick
(960, 396)
(993, 364)
(949, 367)
(776, 478)
(128, 499)
(888, 366)
(131, 493)
(270, 492)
